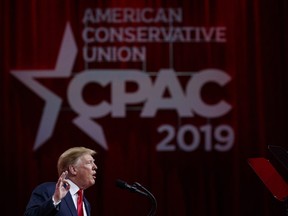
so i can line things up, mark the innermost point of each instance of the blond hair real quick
(70, 157)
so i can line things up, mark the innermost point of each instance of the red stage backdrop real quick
(175, 95)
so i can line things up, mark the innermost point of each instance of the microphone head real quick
(124, 185)
(121, 184)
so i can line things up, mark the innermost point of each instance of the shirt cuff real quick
(55, 203)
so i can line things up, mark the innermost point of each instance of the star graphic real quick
(63, 69)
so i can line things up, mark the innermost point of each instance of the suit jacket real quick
(41, 203)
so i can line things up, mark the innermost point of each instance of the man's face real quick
(85, 171)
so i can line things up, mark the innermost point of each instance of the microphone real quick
(138, 188)
(124, 185)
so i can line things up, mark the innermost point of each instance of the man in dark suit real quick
(77, 172)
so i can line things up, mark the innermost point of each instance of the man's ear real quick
(72, 169)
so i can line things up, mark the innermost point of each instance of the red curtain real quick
(202, 168)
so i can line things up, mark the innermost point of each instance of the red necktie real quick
(80, 203)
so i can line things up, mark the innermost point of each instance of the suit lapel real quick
(69, 202)
(87, 206)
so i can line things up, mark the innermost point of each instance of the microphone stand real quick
(151, 197)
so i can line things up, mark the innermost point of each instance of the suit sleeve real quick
(41, 203)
